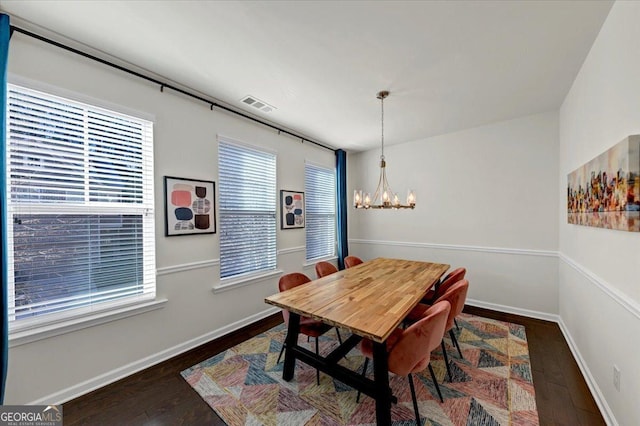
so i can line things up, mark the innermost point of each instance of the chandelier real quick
(384, 197)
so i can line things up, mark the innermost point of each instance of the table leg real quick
(381, 378)
(291, 341)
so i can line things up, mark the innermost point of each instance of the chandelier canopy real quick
(384, 197)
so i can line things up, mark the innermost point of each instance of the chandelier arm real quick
(379, 188)
(387, 187)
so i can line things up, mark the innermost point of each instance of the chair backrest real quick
(451, 278)
(351, 261)
(289, 281)
(325, 268)
(412, 351)
(456, 296)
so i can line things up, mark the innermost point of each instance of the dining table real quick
(370, 300)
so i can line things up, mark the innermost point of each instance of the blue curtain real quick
(341, 180)
(5, 34)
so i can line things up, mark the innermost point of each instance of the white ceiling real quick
(449, 65)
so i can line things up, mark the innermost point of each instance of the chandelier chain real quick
(382, 119)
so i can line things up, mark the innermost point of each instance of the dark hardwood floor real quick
(159, 395)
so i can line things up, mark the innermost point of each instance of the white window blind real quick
(247, 181)
(320, 199)
(80, 208)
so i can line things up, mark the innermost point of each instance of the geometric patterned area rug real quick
(492, 385)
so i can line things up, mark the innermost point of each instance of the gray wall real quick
(599, 282)
(486, 200)
(188, 266)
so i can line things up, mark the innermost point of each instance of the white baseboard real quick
(127, 370)
(85, 387)
(511, 310)
(605, 410)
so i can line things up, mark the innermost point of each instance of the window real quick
(320, 194)
(80, 208)
(247, 181)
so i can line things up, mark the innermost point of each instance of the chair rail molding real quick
(625, 301)
(166, 270)
(485, 249)
(212, 263)
(290, 250)
(621, 298)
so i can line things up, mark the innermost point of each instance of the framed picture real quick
(605, 192)
(189, 206)
(291, 209)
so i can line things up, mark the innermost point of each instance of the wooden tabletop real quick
(370, 299)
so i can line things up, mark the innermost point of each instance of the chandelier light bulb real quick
(411, 198)
(357, 198)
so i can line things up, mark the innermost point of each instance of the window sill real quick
(22, 337)
(231, 283)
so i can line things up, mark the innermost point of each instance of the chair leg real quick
(415, 402)
(446, 361)
(456, 323)
(435, 382)
(364, 372)
(455, 342)
(317, 371)
(281, 351)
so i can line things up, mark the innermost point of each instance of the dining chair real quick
(351, 261)
(324, 268)
(409, 350)
(309, 327)
(456, 295)
(450, 279)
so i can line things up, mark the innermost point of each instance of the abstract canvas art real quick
(291, 209)
(605, 192)
(189, 206)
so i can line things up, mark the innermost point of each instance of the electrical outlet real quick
(616, 377)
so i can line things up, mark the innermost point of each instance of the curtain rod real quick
(163, 85)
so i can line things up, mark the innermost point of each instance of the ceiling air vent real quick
(257, 103)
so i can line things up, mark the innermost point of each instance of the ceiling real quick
(449, 65)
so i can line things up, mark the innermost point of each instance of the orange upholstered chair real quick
(325, 268)
(351, 261)
(409, 350)
(308, 326)
(456, 295)
(450, 279)
(322, 270)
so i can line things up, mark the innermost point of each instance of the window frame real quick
(253, 276)
(27, 330)
(308, 197)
